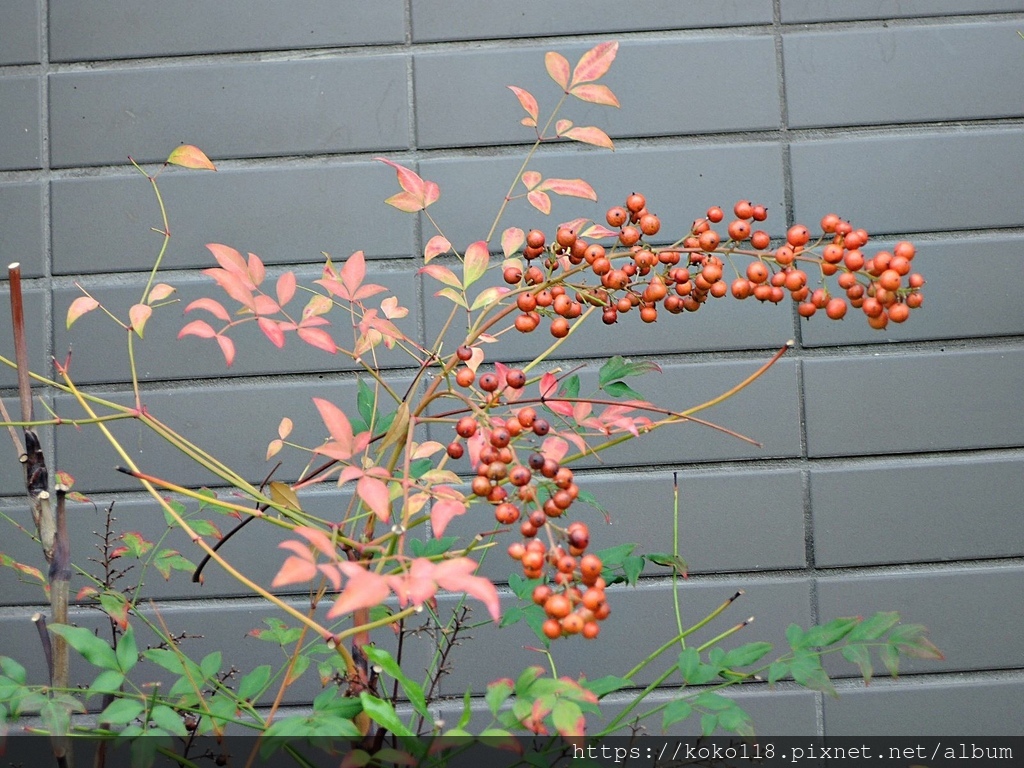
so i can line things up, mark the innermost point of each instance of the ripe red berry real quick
(464, 353)
(535, 238)
(488, 382)
(515, 378)
(798, 234)
(464, 377)
(715, 214)
(636, 202)
(466, 427)
(649, 224)
(743, 209)
(617, 216)
(512, 275)
(739, 229)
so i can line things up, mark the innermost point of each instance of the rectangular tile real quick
(253, 109)
(19, 32)
(21, 222)
(918, 402)
(461, 98)
(902, 512)
(919, 182)
(945, 314)
(902, 74)
(101, 350)
(958, 606)
(22, 145)
(474, 20)
(102, 224)
(794, 11)
(78, 33)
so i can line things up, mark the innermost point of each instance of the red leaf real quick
(265, 305)
(188, 156)
(375, 493)
(590, 135)
(365, 589)
(337, 424)
(319, 339)
(272, 331)
(227, 346)
(558, 68)
(198, 328)
(548, 384)
(527, 101)
(596, 94)
(285, 288)
(595, 63)
(256, 269)
(79, 307)
(233, 286)
(214, 307)
(540, 201)
(531, 179)
(457, 576)
(570, 187)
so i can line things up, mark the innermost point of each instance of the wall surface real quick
(890, 476)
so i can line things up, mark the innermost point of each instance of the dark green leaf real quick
(874, 626)
(632, 566)
(570, 387)
(430, 547)
(420, 467)
(467, 710)
(826, 634)
(94, 650)
(622, 389)
(512, 615)
(127, 651)
(736, 720)
(382, 713)
(413, 690)
(619, 368)
(253, 684)
(613, 556)
(602, 686)
(366, 401)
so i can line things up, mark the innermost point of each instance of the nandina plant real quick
(503, 470)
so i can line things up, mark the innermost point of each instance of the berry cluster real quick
(681, 277)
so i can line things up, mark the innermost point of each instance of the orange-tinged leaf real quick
(296, 570)
(594, 64)
(437, 245)
(527, 101)
(337, 423)
(365, 589)
(375, 493)
(231, 260)
(199, 328)
(540, 201)
(274, 448)
(159, 292)
(233, 286)
(354, 272)
(558, 68)
(138, 315)
(284, 428)
(452, 295)
(392, 309)
(457, 576)
(227, 347)
(475, 263)
(211, 306)
(319, 339)
(426, 449)
(512, 240)
(188, 156)
(570, 187)
(441, 273)
(554, 448)
(531, 179)
(590, 135)
(285, 288)
(598, 231)
(256, 269)
(418, 194)
(79, 307)
(415, 585)
(318, 539)
(265, 305)
(442, 512)
(596, 94)
(562, 126)
(272, 331)
(405, 201)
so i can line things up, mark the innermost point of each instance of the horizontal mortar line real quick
(520, 42)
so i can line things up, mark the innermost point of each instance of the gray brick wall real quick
(890, 475)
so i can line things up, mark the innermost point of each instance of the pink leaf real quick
(319, 339)
(138, 315)
(457, 576)
(285, 288)
(272, 331)
(531, 179)
(548, 384)
(354, 272)
(375, 493)
(233, 286)
(365, 589)
(79, 307)
(330, 570)
(596, 94)
(554, 448)
(274, 448)
(562, 126)
(198, 328)
(512, 240)
(590, 135)
(392, 309)
(212, 306)
(595, 63)
(159, 292)
(475, 262)
(598, 231)
(256, 269)
(417, 191)
(231, 260)
(443, 274)
(284, 428)
(337, 423)
(442, 512)
(527, 101)
(227, 346)
(295, 570)
(570, 187)
(188, 156)
(540, 201)
(265, 305)
(489, 296)
(558, 68)
(437, 245)
(416, 585)
(318, 539)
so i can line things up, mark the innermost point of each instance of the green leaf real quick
(633, 566)
(794, 635)
(736, 720)
(94, 650)
(570, 387)
(107, 681)
(712, 701)
(567, 717)
(619, 368)
(171, 560)
(467, 710)
(205, 528)
(602, 686)
(874, 626)
(121, 711)
(859, 655)
(169, 720)
(527, 678)
(806, 670)
(56, 717)
(13, 670)
(614, 556)
(675, 562)
(453, 295)
(430, 547)
(890, 658)
(382, 713)
(210, 665)
(622, 389)
(366, 401)
(910, 640)
(512, 615)
(127, 651)
(826, 634)
(708, 724)
(497, 694)
(253, 684)
(413, 690)
(675, 712)
(746, 655)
